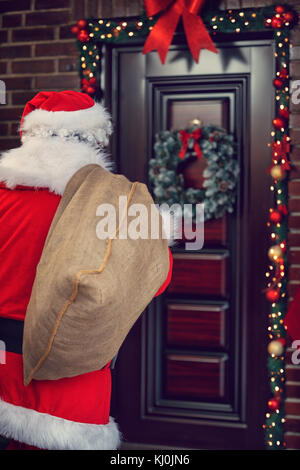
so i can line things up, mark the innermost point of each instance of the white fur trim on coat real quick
(52, 433)
(51, 162)
(48, 162)
(94, 120)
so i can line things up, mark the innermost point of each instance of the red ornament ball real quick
(276, 23)
(275, 217)
(75, 29)
(81, 24)
(284, 113)
(278, 123)
(280, 9)
(90, 90)
(278, 83)
(289, 17)
(272, 295)
(83, 36)
(92, 81)
(273, 404)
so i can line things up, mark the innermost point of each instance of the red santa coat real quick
(70, 413)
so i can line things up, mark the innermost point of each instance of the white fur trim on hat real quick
(94, 120)
(52, 433)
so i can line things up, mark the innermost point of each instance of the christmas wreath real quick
(173, 149)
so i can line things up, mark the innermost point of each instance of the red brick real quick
(14, 129)
(3, 36)
(66, 33)
(295, 154)
(292, 407)
(47, 18)
(294, 205)
(57, 82)
(48, 4)
(68, 65)
(18, 83)
(293, 390)
(294, 273)
(295, 136)
(33, 66)
(292, 289)
(3, 66)
(294, 188)
(295, 36)
(92, 8)
(10, 114)
(57, 48)
(292, 424)
(294, 221)
(9, 5)
(10, 21)
(3, 129)
(33, 34)
(295, 171)
(295, 119)
(7, 144)
(295, 53)
(10, 52)
(295, 68)
(292, 440)
(294, 107)
(106, 10)
(133, 8)
(294, 239)
(294, 256)
(78, 9)
(21, 97)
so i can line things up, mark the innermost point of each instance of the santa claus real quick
(61, 132)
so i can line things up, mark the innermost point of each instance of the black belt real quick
(11, 333)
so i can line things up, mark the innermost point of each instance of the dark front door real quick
(192, 372)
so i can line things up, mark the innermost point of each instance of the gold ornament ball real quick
(196, 122)
(276, 348)
(277, 173)
(275, 252)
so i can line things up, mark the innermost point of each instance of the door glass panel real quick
(208, 111)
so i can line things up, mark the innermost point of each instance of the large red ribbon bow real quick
(185, 137)
(162, 33)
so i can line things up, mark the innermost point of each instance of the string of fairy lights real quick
(91, 34)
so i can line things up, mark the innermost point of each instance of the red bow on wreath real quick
(162, 33)
(185, 136)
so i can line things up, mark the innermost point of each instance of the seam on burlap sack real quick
(73, 296)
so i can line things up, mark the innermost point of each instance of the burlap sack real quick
(88, 292)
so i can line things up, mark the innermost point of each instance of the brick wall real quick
(38, 52)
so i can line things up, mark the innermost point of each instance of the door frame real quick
(138, 338)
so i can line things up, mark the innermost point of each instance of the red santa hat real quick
(65, 113)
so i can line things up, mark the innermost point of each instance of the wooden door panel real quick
(190, 372)
(195, 377)
(196, 326)
(215, 233)
(199, 274)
